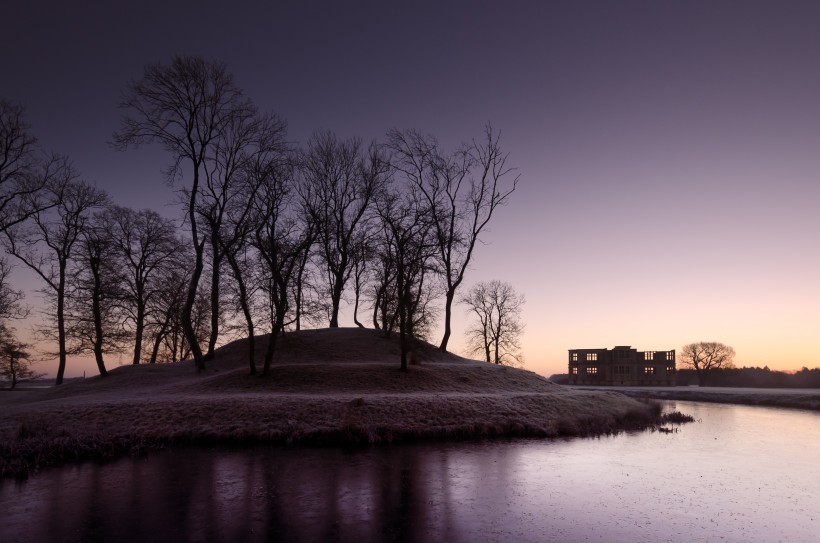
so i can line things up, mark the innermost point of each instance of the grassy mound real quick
(326, 387)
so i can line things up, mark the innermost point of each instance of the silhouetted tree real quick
(164, 315)
(46, 246)
(259, 151)
(14, 365)
(309, 303)
(383, 287)
(186, 106)
(360, 268)
(10, 306)
(23, 171)
(228, 190)
(341, 180)
(406, 248)
(705, 356)
(497, 334)
(94, 321)
(280, 239)
(146, 247)
(461, 191)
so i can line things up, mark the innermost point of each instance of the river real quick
(740, 473)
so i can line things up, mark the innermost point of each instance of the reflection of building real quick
(621, 366)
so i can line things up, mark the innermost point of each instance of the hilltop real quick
(329, 386)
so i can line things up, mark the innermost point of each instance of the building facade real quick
(621, 366)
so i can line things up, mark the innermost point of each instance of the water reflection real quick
(743, 474)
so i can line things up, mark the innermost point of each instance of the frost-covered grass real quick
(764, 397)
(327, 387)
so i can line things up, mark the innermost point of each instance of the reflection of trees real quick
(263, 494)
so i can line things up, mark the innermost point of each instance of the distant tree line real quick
(753, 378)
(275, 235)
(739, 377)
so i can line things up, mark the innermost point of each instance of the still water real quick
(740, 474)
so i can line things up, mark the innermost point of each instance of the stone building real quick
(621, 366)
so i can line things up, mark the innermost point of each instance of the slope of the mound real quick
(375, 378)
(321, 361)
(332, 345)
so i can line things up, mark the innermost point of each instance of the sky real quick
(669, 152)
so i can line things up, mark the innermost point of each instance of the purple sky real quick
(669, 151)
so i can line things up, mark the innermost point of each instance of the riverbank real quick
(327, 387)
(804, 398)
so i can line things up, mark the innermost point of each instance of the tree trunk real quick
(246, 310)
(140, 330)
(403, 342)
(97, 313)
(61, 324)
(187, 324)
(214, 299)
(299, 290)
(701, 378)
(448, 313)
(497, 340)
(376, 304)
(403, 302)
(190, 298)
(336, 296)
(269, 351)
(356, 307)
(157, 343)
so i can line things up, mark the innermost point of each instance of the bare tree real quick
(309, 303)
(12, 353)
(22, 171)
(406, 248)
(479, 335)
(705, 356)
(94, 321)
(384, 295)
(47, 245)
(461, 190)
(227, 193)
(258, 151)
(497, 334)
(14, 366)
(164, 314)
(10, 306)
(185, 106)
(146, 246)
(341, 181)
(280, 239)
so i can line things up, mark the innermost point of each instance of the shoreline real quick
(101, 431)
(808, 399)
(326, 387)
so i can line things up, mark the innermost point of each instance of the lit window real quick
(649, 355)
(592, 356)
(575, 357)
(670, 355)
(574, 371)
(649, 370)
(670, 369)
(592, 370)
